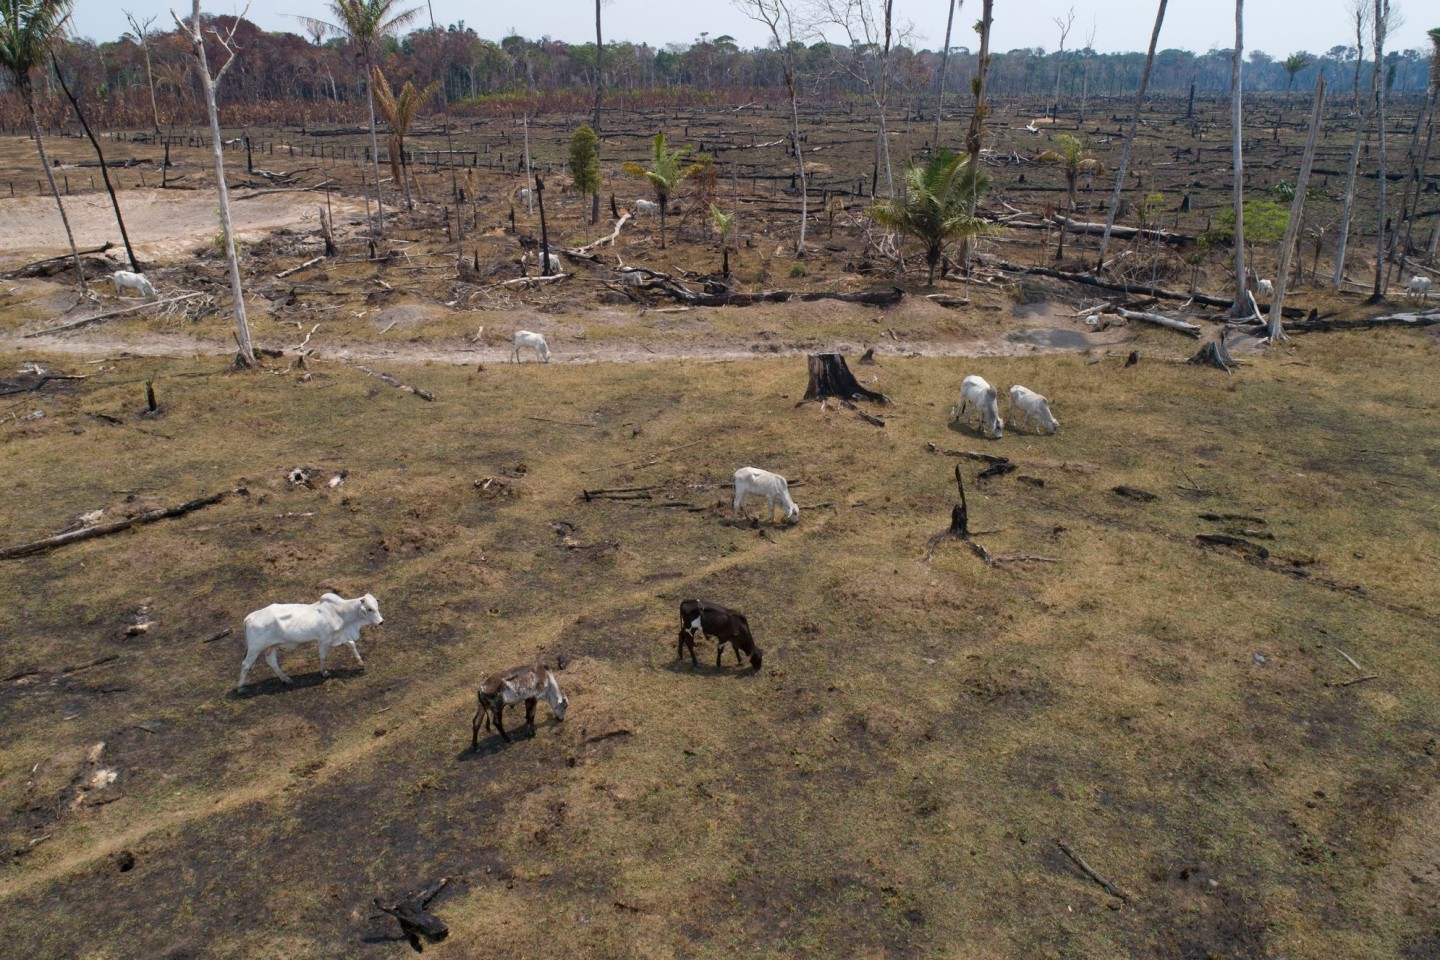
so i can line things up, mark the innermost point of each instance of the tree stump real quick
(415, 919)
(830, 376)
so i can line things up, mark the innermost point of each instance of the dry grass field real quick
(1241, 740)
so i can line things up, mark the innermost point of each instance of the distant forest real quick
(314, 78)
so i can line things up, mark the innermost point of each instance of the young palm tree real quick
(27, 28)
(399, 110)
(667, 171)
(723, 223)
(938, 206)
(365, 23)
(1293, 64)
(1073, 161)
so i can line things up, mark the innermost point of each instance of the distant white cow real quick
(135, 283)
(1265, 288)
(548, 258)
(771, 486)
(1418, 287)
(646, 206)
(524, 338)
(1033, 409)
(978, 397)
(329, 622)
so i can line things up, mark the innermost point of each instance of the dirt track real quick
(170, 221)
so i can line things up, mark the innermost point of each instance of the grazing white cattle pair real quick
(524, 338)
(330, 622)
(979, 398)
(136, 283)
(1418, 287)
(771, 486)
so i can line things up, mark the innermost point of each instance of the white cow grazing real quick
(771, 486)
(978, 396)
(1265, 288)
(524, 338)
(548, 258)
(1418, 287)
(646, 206)
(1033, 408)
(330, 622)
(135, 283)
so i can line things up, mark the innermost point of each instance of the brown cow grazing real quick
(713, 620)
(527, 683)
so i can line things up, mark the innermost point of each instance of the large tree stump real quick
(830, 376)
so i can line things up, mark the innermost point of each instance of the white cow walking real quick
(330, 622)
(1418, 287)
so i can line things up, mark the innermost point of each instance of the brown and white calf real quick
(527, 683)
(713, 620)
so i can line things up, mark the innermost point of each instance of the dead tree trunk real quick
(830, 376)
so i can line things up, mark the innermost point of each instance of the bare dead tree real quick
(191, 31)
(1130, 136)
(951, 6)
(1297, 210)
(142, 30)
(1361, 12)
(779, 18)
(1237, 155)
(1382, 23)
(1064, 23)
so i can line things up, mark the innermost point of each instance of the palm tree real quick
(938, 206)
(27, 28)
(365, 23)
(399, 110)
(667, 171)
(1073, 161)
(1293, 64)
(723, 223)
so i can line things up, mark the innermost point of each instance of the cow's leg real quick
(499, 714)
(530, 713)
(687, 639)
(719, 649)
(324, 655)
(354, 650)
(250, 658)
(474, 724)
(272, 658)
(737, 652)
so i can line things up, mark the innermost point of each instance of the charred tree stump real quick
(830, 376)
(959, 526)
(1214, 354)
(415, 919)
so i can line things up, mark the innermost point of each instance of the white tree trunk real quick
(54, 190)
(1129, 135)
(1382, 16)
(1238, 159)
(1297, 209)
(374, 146)
(246, 355)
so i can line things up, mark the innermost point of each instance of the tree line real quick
(145, 77)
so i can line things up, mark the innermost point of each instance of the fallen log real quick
(415, 918)
(1391, 320)
(403, 387)
(1090, 280)
(86, 321)
(1184, 326)
(20, 271)
(308, 263)
(40, 381)
(585, 250)
(1123, 233)
(104, 529)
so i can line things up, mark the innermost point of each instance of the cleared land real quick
(1241, 739)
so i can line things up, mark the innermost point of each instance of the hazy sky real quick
(1279, 27)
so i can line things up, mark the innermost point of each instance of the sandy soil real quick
(164, 224)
